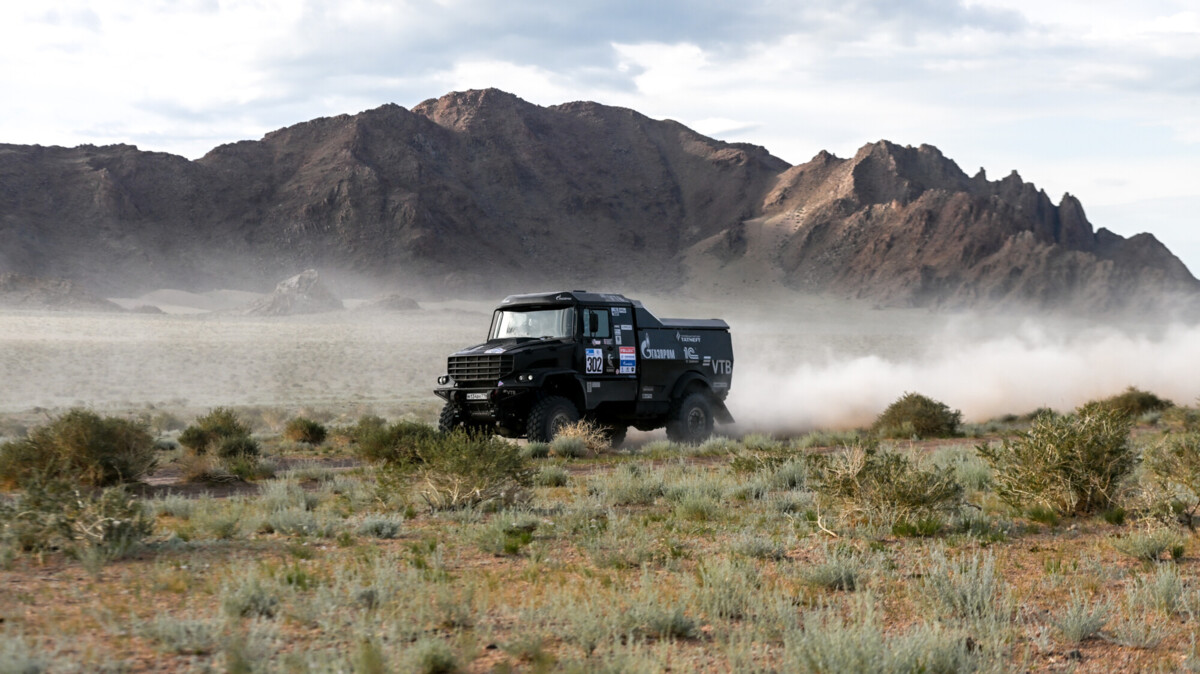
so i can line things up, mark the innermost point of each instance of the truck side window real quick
(596, 324)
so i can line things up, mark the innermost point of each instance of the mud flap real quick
(721, 413)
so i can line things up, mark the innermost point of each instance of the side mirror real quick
(593, 323)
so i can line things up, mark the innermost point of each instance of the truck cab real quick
(551, 359)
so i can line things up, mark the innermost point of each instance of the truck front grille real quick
(486, 368)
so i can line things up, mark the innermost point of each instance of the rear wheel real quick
(615, 434)
(548, 416)
(691, 419)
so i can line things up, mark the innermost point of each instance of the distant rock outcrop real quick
(390, 302)
(480, 187)
(301, 294)
(27, 292)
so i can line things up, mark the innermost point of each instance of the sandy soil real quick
(801, 363)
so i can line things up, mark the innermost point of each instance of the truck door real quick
(609, 356)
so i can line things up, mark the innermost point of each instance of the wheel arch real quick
(696, 382)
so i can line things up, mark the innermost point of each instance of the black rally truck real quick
(553, 358)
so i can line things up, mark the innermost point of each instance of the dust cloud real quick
(800, 364)
(984, 367)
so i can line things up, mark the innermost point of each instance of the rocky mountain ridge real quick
(475, 188)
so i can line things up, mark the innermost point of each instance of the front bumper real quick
(500, 403)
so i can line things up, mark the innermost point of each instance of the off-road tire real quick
(547, 416)
(690, 420)
(615, 434)
(453, 418)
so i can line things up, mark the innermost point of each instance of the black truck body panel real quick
(614, 360)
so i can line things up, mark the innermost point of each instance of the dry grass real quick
(333, 574)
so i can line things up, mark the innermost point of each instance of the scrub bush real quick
(1174, 464)
(221, 428)
(401, 443)
(450, 470)
(1072, 464)
(54, 515)
(1134, 402)
(915, 414)
(81, 447)
(880, 482)
(305, 430)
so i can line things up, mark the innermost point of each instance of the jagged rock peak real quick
(303, 293)
(462, 110)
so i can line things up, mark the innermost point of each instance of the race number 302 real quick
(594, 362)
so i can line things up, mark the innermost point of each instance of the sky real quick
(1098, 98)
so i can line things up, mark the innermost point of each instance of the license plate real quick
(476, 396)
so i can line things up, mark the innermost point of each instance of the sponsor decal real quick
(476, 396)
(611, 366)
(656, 354)
(564, 298)
(628, 360)
(592, 386)
(613, 298)
(594, 361)
(689, 354)
(722, 367)
(720, 384)
(626, 326)
(690, 339)
(647, 396)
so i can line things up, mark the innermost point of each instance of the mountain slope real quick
(477, 186)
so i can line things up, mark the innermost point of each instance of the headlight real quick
(443, 380)
(524, 377)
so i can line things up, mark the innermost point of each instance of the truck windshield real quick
(553, 323)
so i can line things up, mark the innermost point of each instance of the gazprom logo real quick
(652, 354)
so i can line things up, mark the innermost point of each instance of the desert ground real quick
(727, 556)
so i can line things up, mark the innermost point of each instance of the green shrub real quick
(1073, 464)
(843, 569)
(1080, 620)
(54, 515)
(833, 642)
(249, 596)
(302, 429)
(551, 476)
(1174, 464)
(915, 414)
(82, 447)
(452, 470)
(185, 636)
(629, 484)
(236, 446)
(381, 526)
(398, 444)
(212, 429)
(968, 588)
(536, 450)
(1134, 402)
(880, 482)
(1149, 545)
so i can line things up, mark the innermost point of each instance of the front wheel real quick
(548, 416)
(453, 418)
(691, 419)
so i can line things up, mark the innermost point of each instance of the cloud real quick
(1004, 84)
